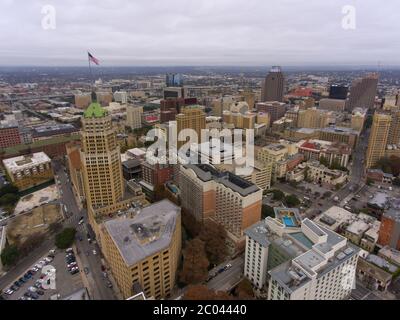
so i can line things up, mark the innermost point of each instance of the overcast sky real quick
(200, 32)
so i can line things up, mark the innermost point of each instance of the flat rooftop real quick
(25, 162)
(207, 172)
(147, 233)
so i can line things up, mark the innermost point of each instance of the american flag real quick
(93, 59)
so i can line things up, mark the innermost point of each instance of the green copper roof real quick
(95, 110)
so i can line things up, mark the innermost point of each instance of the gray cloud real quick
(199, 32)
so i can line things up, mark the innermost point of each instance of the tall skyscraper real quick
(378, 139)
(363, 92)
(273, 86)
(101, 160)
(394, 131)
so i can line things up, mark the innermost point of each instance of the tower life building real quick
(100, 157)
(363, 92)
(273, 86)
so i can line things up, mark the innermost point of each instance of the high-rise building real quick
(134, 116)
(143, 248)
(300, 260)
(394, 131)
(121, 97)
(174, 80)
(363, 92)
(378, 139)
(104, 98)
(230, 200)
(337, 91)
(191, 117)
(273, 86)
(75, 170)
(101, 159)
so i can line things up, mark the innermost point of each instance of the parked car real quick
(94, 252)
(32, 289)
(109, 284)
(40, 292)
(71, 265)
(69, 250)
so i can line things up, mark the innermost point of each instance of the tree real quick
(9, 199)
(9, 188)
(278, 194)
(65, 238)
(292, 200)
(244, 290)
(201, 292)
(267, 211)
(214, 237)
(192, 226)
(9, 255)
(195, 263)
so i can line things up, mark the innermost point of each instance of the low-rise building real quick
(332, 152)
(29, 171)
(319, 173)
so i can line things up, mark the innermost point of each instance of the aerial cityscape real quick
(135, 176)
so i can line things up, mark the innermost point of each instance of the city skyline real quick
(227, 33)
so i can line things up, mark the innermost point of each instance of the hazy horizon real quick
(198, 33)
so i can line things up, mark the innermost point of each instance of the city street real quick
(227, 279)
(97, 284)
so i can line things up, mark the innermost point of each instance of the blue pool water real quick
(288, 221)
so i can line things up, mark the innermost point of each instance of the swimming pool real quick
(288, 222)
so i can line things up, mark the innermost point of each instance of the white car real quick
(9, 292)
(38, 266)
(73, 264)
(48, 259)
(52, 251)
(94, 252)
(41, 263)
(32, 289)
(36, 269)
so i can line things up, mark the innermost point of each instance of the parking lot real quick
(34, 284)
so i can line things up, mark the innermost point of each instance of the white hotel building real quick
(299, 260)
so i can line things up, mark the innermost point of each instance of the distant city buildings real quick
(134, 116)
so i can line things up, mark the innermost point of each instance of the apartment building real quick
(363, 92)
(29, 171)
(299, 260)
(229, 199)
(143, 247)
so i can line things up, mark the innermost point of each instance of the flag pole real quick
(90, 69)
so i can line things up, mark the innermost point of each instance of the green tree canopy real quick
(65, 238)
(9, 255)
